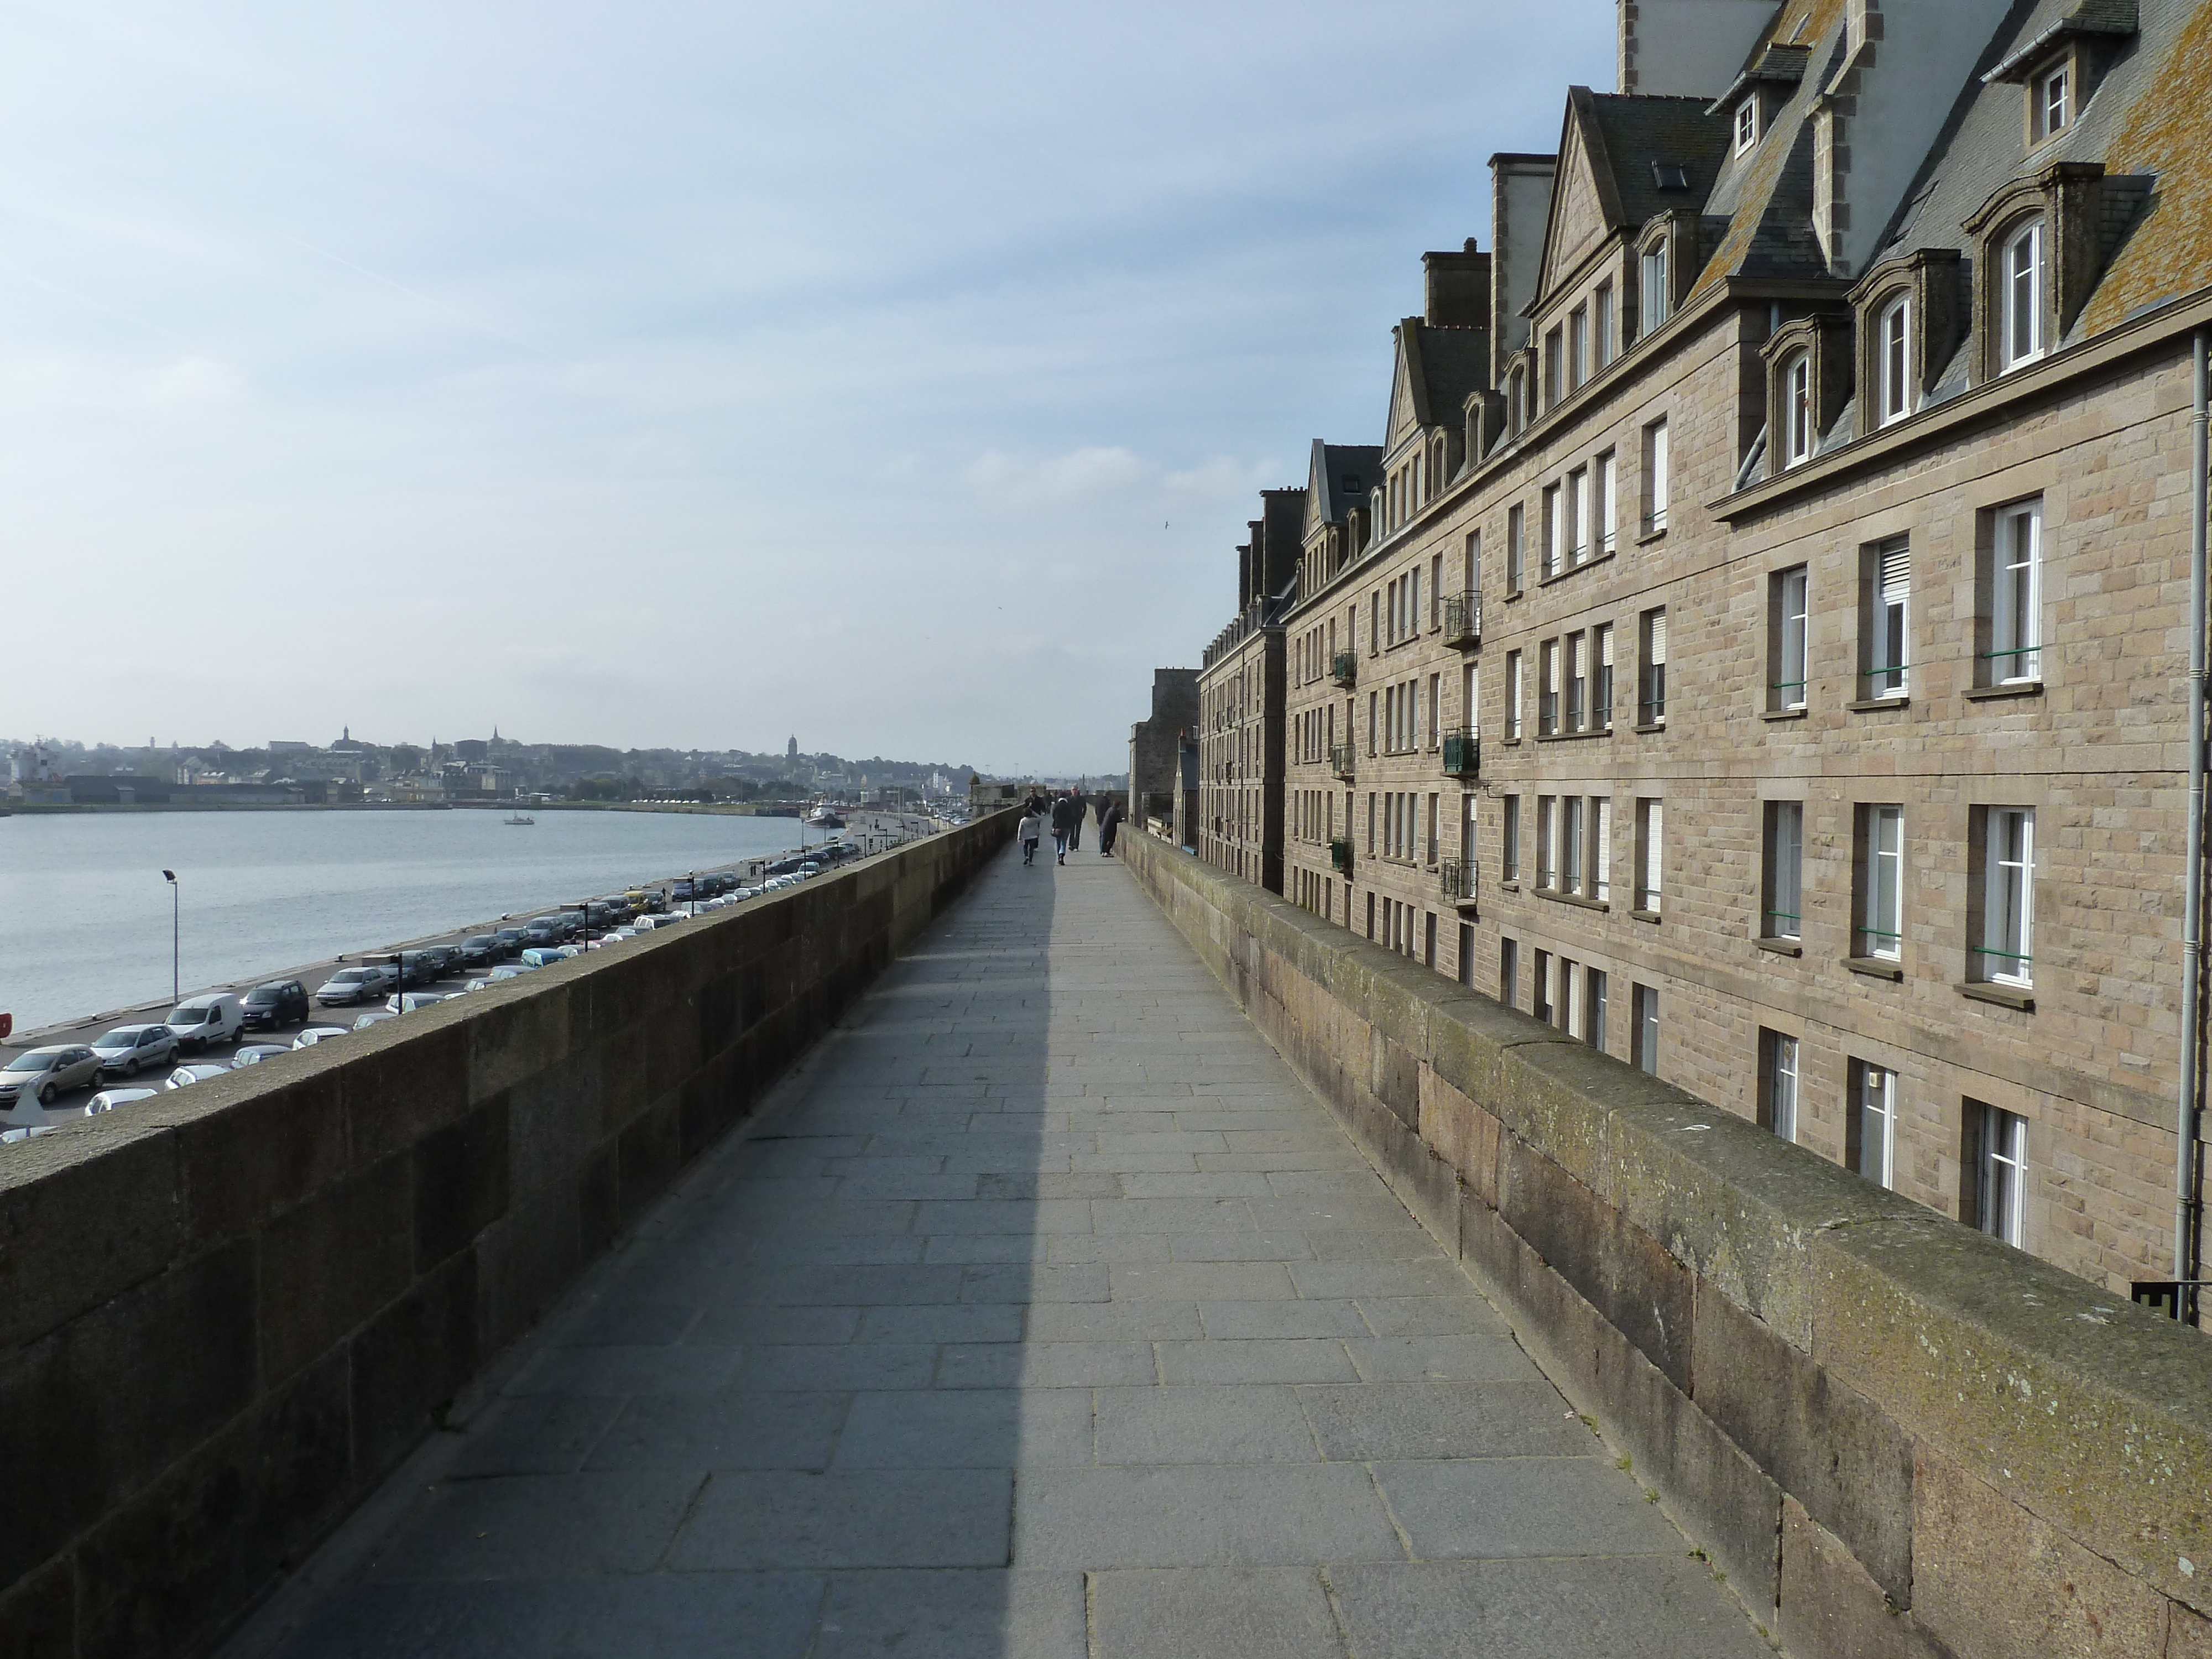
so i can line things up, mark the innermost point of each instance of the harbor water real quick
(85, 915)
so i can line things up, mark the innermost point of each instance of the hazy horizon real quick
(684, 376)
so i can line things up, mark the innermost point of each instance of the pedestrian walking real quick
(1064, 818)
(1032, 827)
(1109, 825)
(1075, 827)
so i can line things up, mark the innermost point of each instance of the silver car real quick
(45, 1075)
(356, 984)
(129, 1050)
(254, 1053)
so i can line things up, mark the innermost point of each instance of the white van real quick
(218, 1017)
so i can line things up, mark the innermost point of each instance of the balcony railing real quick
(1463, 619)
(1457, 878)
(1343, 668)
(1462, 752)
(1341, 758)
(1339, 855)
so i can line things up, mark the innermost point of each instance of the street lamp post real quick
(176, 935)
(695, 894)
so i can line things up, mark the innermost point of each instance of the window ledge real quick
(1575, 570)
(1643, 915)
(1781, 947)
(1570, 736)
(2004, 996)
(1993, 693)
(1509, 886)
(1508, 742)
(1514, 593)
(1870, 705)
(1783, 714)
(1575, 899)
(1652, 726)
(1875, 968)
(1658, 535)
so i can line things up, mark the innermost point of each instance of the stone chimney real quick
(1456, 288)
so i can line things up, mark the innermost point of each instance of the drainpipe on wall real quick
(2192, 962)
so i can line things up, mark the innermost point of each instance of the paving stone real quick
(1046, 1366)
(1244, 1425)
(1406, 1421)
(954, 1614)
(1522, 1506)
(1238, 1320)
(1220, 1613)
(541, 1526)
(966, 1428)
(1108, 1321)
(731, 1429)
(1201, 1281)
(1430, 1316)
(1295, 1359)
(1220, 1515)
(868, 1518)
(1653, 1608)
(747, 1324)
(1451, 1358)
(625, 1370)
(944, 1321)
(535, 1434)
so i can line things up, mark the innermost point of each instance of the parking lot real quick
(867, 835)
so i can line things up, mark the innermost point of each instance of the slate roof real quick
(1345, 472)
(1446, 366)
(1631, 133)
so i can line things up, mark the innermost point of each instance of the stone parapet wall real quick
(1895, 1436)
(227, 1314)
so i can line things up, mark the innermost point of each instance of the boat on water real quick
(822, 817)
(518, 818)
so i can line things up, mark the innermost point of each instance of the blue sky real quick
(676, 374)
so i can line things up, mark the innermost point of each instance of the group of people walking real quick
(1065, 813)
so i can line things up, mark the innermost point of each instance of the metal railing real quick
(1456, 877)
(1463, 619)
(1462, 753)
(1343, 668)
(1342, 759)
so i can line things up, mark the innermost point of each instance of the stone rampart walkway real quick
(1045, 1314)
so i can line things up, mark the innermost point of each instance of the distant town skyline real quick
(646, 376)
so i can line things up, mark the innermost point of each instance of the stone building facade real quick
(1759, 644)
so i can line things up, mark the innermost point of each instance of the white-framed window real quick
(1578, 683)
(1655, 478)
(1797, 424)
(1651, 851)
(1784, 893)
(1791, 615)
(1602, 508)
(1600, 849)
(1651, 669)
(1888, 632)
(1881, 882)
(1516, 525)
(1870, 1135)
(1554, 530)
(1554, 367)
(1893, 365)
(1508, 842)
(2016, 596)
(1605, 324)
(1655, 300)
(1577, 503)
(1602, 678)
(1573, 853)
(1578, 347)
(2052, 111)
(1513, 696)
(1547, 690)
(2020, 296)
(1545, 812)
(2006, 954)
(1746, 124)
(1999, 1146)
(1778, 1083)
(1594, 1000)
(1646, 1037)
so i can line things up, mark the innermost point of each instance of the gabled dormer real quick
(1334, 516)
(2058, 68)
(1759, 90)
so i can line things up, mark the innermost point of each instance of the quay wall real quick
(1899, 1438)
(227, 1314)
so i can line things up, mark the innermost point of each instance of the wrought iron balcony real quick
(1463, 751)
(1339, 855)
(1456, 877)
(1341, 759)
(1343, 668)
(1463, 619)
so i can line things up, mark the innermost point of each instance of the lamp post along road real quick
(176, 935)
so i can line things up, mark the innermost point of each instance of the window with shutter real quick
(1601, 681)
(1888, 645)
(1601, 848)
(1651, 693)
(1602, 502)
(1650, 852)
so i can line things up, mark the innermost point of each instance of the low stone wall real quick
(227, 1314)
(1895, 1436)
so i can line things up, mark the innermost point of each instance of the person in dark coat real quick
(1075, 829)
(1065, 815)
(1109, 825)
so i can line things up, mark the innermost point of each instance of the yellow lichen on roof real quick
(2169, 133)
(1809, 23)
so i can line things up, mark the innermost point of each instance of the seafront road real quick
(1044, 1313)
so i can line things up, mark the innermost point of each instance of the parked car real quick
(406, 1002)
(185, 1076)
(541, 930)
(314, 1033)
(217, 1017)
(370, 979)
(129, 1050)
(511, 940)
(478, 950)
(506, 970)
(46, 1074)
(542, 955)
(280, 1002)
(108, 1099)
(374, 1017)
(418, 966)
(253, 1054)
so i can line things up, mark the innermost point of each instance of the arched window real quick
(1797, 426)
(1893, 369)
(2020, 297)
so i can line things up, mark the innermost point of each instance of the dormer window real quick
(1894, 366)
(2051, 96)
(1652, 292)
(2020, 297)
(1798, 426)
(1746, 124)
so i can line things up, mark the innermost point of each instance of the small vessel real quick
(822, 818)
(518, 818)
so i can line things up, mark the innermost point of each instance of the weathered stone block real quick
(410, 1362)
(332, 1262)
(83, 1216)
(243, 1162)
(1831, 1608)
(460, 1182)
